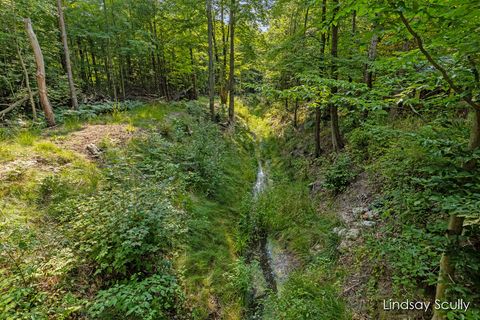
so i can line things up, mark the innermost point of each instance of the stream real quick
(264, 282)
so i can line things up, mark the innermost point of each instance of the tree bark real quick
(231, 104)
(211, 70)
(223, 75)
(371, 55)
(318, 111)
(337, 141)
(68, 63)
(194, 93)
(368, 73)
(447, 270)
(41, 82)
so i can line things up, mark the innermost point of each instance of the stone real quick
(368, 223)
(93, 150)
(358, 211)
(344, 245)
(370, 215)
(352, 234)
(339, 231)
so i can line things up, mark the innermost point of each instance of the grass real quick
(42, 277)
(289, 214)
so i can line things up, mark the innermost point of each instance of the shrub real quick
(126, 230)
(339, 175)
(155, 297)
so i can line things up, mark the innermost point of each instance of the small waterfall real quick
(261, 181)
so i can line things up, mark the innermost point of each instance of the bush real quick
(200, 151)
(155, 297)
(339, 175)
(126, 230)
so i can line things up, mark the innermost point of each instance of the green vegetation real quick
(117, 235)
(281, 159)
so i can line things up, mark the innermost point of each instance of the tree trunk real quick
(194, 95)
(41, 82)
(372, 54)
(318, 112)
(223, 80)
(368, 73)
(336, 137)
(68, 64)
(447, 270)
(231, 104)
(27, 80)
(94, 64)
(211, 70)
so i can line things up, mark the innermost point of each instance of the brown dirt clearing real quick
(82, 141)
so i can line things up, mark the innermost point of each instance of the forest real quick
(240, 159)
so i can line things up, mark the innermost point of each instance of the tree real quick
(211, 69)
(455, 224)
(318, 111)
(231, 96)
(42, 85)
(337, 141)
(68, 64)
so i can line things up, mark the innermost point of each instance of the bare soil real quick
(79, 141)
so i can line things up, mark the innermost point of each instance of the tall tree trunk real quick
(318, 111)
(337, 141)
(108, 62)
(231, 104)
(371, 55)
(68, 64)
(223, 80)
(27, 80)
(368, 72)
(194, 95)
(211, 70)
(41, 82)
(83, 73)
(94, 63)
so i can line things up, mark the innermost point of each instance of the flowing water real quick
(261, 253)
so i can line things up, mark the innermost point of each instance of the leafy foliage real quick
(155, 297)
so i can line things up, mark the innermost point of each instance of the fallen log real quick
(15, 104)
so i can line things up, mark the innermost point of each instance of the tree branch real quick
(14, 105)
(436, 65)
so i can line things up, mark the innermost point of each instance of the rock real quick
(370, 215)
(352, 234)
(345, 245)
(368, 223)
(93, 150)
(339, 231)
(358, 211)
